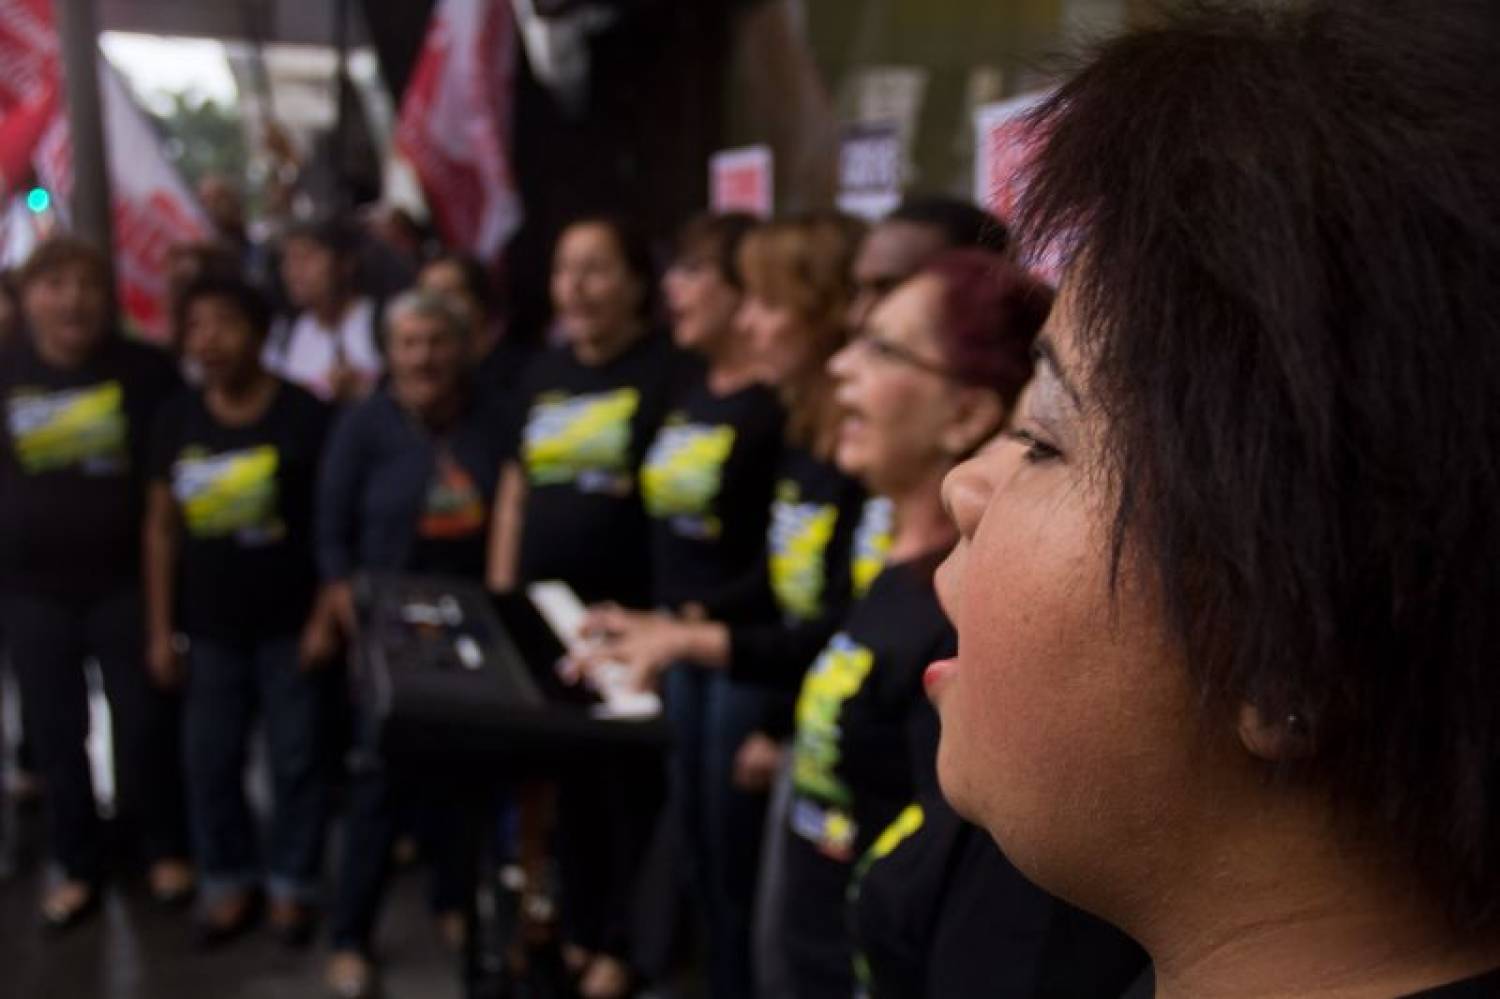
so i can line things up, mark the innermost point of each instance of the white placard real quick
(742, 180)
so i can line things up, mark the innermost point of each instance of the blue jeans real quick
(711, 717)
(227, 683)
(378, 797)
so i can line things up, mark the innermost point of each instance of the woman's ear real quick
(977, 415)
(1274, 738)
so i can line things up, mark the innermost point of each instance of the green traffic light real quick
(38, 200)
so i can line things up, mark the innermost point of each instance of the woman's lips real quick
(937, 675)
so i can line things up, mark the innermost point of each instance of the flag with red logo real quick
(455, 124)
(29, 77)
(153, 208)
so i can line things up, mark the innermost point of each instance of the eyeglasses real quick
(891, 352)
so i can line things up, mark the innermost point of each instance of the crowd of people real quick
(1167, 590)
(736, 464)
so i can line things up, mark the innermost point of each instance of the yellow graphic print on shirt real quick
(581, 439)
(230, 494)
(83, 428)
(682, 475)
(836, 676)
(800, 533)
(906, 825)
(872, 543)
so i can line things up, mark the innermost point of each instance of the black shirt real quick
(1484, 986)
(815, 510)
(937, 910)
(1479, 987)
(72, 466)
(706, 483)
(862, 753)
(583, 433)
(245, 495)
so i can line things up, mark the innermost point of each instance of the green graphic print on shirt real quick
(872, 543)
(800, 534)
(682, 475)
(80, 427)
(230, 494)
(581, 439)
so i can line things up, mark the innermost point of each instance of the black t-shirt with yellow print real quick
(706, 482)
(937, 910)
(862, 751)
(815, 510)
(245, 497)
(72, 466)
(581, 435)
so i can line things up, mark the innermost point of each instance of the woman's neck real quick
(920, 524)
(731, 367)
(243, 401)
(62, 358)
(1286, 913)
(332, 312)
(594, 355)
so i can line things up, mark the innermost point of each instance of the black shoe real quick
(58, 918)
(227, 920)
(293, 924)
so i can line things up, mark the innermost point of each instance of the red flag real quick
(29, 76)
(456, 120)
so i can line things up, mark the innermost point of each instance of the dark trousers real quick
(227, 684)
(376, 797)
(721, 825)
(49, 641)
(607, 813)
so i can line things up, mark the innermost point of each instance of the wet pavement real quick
(133, 949)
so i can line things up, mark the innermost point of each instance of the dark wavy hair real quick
(232, 290)
(717, 238)
(992, 312)
(1284, 234)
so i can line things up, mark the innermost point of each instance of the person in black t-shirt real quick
(797, 289)
(707, 481)
(407, 485)
(1226, 596)
(570, 509)
(78, 402)
(937, 910)
(230, 583)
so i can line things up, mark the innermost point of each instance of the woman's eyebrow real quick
(1044, 353)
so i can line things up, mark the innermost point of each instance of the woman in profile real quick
(1226, 597)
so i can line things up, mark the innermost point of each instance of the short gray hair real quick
(422, 304)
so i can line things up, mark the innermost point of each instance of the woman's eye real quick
(1037, 450)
